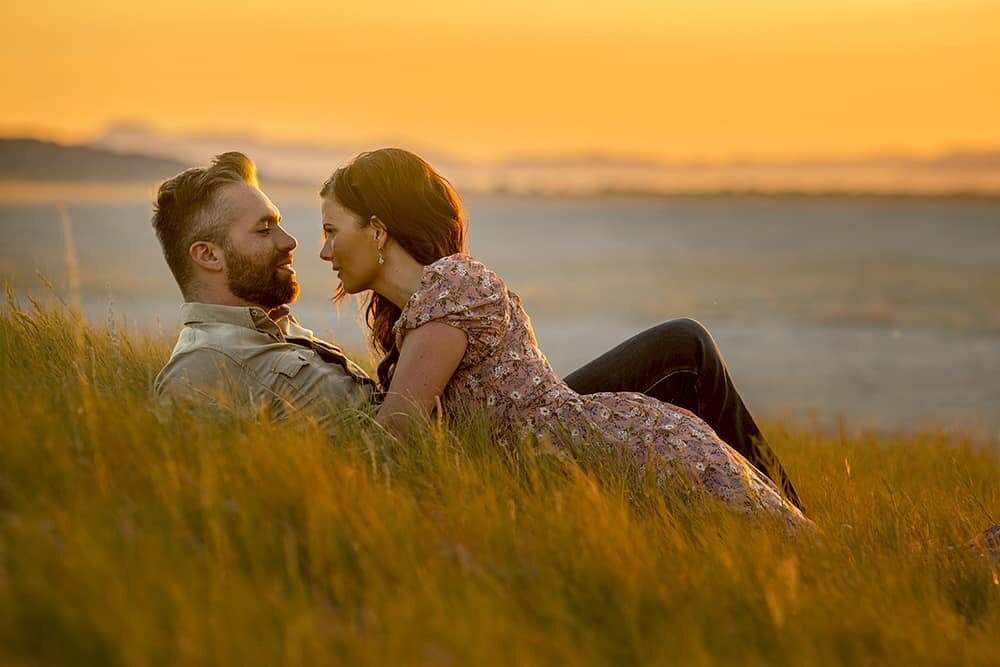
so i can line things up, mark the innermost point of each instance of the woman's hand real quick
(427, 360)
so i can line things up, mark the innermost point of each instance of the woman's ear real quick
(206, 255)
(379, 230)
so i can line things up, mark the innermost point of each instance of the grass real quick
(129, 537)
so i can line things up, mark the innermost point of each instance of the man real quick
(223, 241)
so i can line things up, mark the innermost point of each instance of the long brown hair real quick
(420, 210)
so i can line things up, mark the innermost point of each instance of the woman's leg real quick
(678, 362)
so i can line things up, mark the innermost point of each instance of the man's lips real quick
(286, 265)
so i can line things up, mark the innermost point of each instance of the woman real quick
(449, 327)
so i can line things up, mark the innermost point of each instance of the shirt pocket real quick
(291, 364)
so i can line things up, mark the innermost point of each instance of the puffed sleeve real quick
(462, 293)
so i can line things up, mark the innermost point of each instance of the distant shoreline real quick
(38, 171)
(24, 191)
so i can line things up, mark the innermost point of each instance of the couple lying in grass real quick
(451, 334)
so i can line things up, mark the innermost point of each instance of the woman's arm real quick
(427, 360)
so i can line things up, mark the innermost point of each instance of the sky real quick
(695, 80)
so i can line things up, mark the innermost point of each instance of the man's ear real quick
(207, 255)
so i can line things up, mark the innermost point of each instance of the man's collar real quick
(291, 327)
(250, 317)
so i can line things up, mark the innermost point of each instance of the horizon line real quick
(513, 158)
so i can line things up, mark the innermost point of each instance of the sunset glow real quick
(711, 80)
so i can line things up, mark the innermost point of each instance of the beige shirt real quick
(238, 356)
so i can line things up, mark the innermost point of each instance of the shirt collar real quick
(249, 317)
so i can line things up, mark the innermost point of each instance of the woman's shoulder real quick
(457, 263)
(460, 269)
(460, 290)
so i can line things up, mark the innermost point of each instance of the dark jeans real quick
(678, 362)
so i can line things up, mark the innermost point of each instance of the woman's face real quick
(350, 248)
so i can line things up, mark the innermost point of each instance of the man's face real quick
(257, 250)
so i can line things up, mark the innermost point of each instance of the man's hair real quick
(186, 210)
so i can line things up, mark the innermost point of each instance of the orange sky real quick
(707, 79)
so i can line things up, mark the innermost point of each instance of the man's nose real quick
(288, 242)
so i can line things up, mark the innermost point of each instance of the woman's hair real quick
(420, 210)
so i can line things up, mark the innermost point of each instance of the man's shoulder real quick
(197, 366)
(229, 357)
(206, 351)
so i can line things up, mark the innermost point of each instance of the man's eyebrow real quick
(273, 218)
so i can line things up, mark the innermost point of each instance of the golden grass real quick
(127, 538)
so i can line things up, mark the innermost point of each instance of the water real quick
(881, 309)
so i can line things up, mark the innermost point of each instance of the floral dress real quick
(504, 371)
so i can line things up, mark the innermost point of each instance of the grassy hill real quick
(129, 537)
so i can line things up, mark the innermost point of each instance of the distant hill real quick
(302, 162)
(310, 163)
(34, 160)
(138, 154)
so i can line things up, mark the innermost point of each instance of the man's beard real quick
(260, 282)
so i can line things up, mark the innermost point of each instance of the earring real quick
(381, 259)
